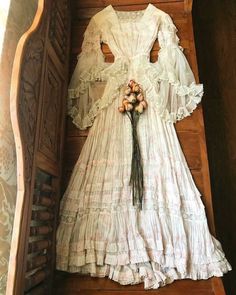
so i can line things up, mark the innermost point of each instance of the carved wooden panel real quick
(38, 99)
(51, 111)
(58, 31)
(29, 92)
(27, 103)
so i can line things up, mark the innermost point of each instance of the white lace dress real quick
(100, 232)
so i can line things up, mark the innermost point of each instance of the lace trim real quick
(167, 34)
(118, 74)
(193, 93)
(114, 74)
(95, 73)
(92, 38)
(100, 104)
(137, 263)
(116, 235)
(129, 15)
(82, 253)
(153, 275)
(69, 217)
(132, 256)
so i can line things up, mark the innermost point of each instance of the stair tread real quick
(75, 284)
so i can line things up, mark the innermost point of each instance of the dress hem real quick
(152, 274)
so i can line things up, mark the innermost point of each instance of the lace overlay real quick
(127, 16)
(100, 233)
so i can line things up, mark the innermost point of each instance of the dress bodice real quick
(130, 35)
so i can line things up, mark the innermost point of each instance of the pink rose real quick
(140, 97)
(139, 108)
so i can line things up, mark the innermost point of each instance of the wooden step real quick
(74, 284)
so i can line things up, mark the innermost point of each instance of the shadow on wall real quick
(20, 17)
(214, 27)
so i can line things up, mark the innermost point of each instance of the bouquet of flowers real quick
(133, 105)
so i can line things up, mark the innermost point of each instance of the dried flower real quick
(144, 103)
(140, 97)
(132, 98)
(133, 105)
(135, 87)
(127, 90)
(125, 101)
(128, 107)
(131, 82)
(121, 109)
(139, 108)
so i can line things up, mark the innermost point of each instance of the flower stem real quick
(136, 177)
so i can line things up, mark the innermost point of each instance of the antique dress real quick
(100, 232)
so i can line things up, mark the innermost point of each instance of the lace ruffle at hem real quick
(156, 271)
(129, 257)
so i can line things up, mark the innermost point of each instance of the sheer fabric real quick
(100, 232)
(177, 94)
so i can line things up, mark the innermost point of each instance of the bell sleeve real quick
(178, 92)
(87, 74)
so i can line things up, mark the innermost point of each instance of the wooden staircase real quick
(73, 284)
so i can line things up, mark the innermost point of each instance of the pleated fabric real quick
(100, 232)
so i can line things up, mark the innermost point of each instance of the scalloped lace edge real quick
(194, 91)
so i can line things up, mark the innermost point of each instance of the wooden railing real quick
(38, 105)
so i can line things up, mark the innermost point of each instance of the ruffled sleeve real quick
(86, 76)
(178, 92)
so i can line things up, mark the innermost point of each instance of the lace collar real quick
(130, 15)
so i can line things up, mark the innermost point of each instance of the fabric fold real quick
(100, 232)
(97, 246)
(178, 94)
(89, 69)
